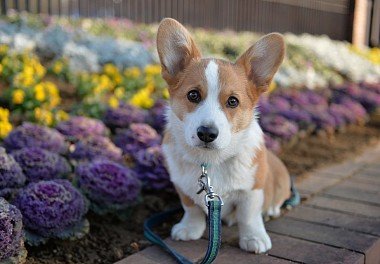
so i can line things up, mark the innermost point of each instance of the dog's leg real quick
(191, 226)
(252, 234)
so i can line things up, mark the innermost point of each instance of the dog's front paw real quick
(257, 244)
(184, 231)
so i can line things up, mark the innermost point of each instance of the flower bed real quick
(99, 148)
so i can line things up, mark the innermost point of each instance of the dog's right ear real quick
(175, 48)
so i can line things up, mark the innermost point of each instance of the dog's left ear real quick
(176, 49)
(262, 60)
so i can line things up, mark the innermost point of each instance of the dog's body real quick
(211, 119)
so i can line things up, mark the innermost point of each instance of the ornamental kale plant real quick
(150, 168)
(52, 209)
(109, 186)
(94, 147)
(40, 164)
(123, 116)
(11, 176)
(80, 126)
(31, 135)
(279, 126)
(136, 137)
(11, 238)
(157, 115)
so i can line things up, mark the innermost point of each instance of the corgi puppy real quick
(212, 119)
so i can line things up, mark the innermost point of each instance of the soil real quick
(111, 239)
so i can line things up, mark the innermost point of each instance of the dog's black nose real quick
(207, 134)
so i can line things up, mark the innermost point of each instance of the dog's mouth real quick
(206, 146)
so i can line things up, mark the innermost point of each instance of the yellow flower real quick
(54, 101)
(51, 88)
(5, 129)
(110, 69)
(39, 92)
(142, 99)
(1, 69)
(28, 71)
(62, 115)
(18, 96)
(119, 92)
(113, 102)
(152, 69)
(165, 93)
(4, 114)
(117, 78)
(272, 86)
(3, 49)
(43, 116)
(57, 67)
(40, 70)
(133, 72)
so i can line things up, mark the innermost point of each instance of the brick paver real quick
(338, 223)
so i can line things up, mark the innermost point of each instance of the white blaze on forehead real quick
(212, 77)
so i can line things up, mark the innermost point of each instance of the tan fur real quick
(273, 177)
(233, 82)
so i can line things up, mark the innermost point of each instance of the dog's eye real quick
(194, 96)
(232, 102)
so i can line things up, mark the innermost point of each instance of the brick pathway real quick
(338, 222)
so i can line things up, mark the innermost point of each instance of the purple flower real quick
(31, 135)
(136, 137)
(272, 144)
(80, 126)
(157, 115)
(355, 112)
(109, 186)
(370, 100)
(51, 208)
(150, 167)
(123, 116)
(11, 238)
(11, 176)
(297, 115)
(279, 126)
(40, 164)
(94, 147)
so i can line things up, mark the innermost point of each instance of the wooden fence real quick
(331, 17)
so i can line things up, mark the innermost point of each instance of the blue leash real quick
(214, 232)
(214, 223)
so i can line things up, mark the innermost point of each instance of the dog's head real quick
(214, 99)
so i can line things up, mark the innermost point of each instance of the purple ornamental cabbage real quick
(279, 126)
(136, 137)
(91, 148)
(123, 116)
(157, 115)
(52, 209)
(109, 186)
(354, 109)
(79, 126)
(11, 237)
(374, 87)
(11, 176)
(370, 100)
(40, 164)
(299, 116)
(150, 168)
(32, 135)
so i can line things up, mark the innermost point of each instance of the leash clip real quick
(205, 185)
